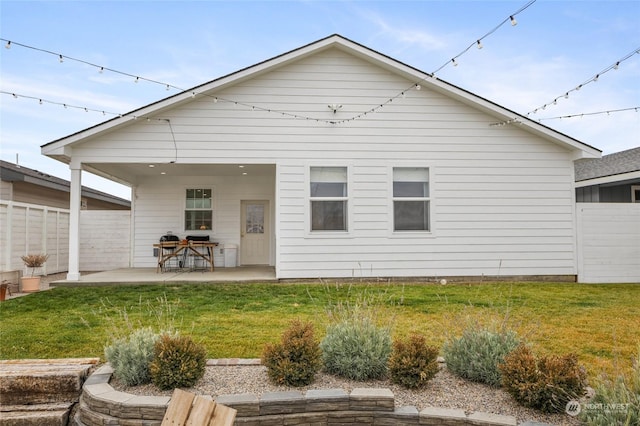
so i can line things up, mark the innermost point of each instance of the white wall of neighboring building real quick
(608, 242)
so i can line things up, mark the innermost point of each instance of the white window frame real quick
(308, 199)
(184, 208)
(634, 188)
(430, 199)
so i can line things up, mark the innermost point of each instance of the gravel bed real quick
(444, 390)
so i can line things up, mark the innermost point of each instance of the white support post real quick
(73, 274)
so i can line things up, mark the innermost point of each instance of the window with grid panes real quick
(198, 214)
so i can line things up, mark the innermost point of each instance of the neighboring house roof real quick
(614, 167)
(10, 172)
(56, 149)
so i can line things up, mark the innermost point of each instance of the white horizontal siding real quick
(105, 239)
(501, 198)
(609, 242)
(159, 207)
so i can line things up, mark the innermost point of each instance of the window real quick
(635, 193)
(328, 198)
(410, 199)
(198, 214)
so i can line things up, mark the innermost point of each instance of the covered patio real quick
(133, 276)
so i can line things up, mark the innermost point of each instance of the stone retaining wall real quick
(101, 405)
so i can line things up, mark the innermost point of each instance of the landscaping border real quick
(102, 405)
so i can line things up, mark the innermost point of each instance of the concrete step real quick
(35, 415)
(27, 382)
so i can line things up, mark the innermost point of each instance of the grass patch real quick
(598, 322)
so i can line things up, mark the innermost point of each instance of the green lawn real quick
(599, 322)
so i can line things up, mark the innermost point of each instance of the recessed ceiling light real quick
(163, 173)
(244, 173)
(152, 165)
(242, 167)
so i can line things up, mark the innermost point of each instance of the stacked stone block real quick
(101, 405)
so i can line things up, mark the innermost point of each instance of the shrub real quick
(476, 354)
(130, 356)
(356, 348)
(546, 383)
(296, 359)
(413, 363)
(616, 402)
(178, 362)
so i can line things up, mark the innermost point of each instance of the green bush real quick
(546, 383)
(356, 348)
(296, 359)
(130, 356)
(178, 362)
(476, 354)
(616, 402)
(413, 363)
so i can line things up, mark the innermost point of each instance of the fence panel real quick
(608, 242)
(30, 228)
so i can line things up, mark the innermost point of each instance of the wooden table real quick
(171, 249)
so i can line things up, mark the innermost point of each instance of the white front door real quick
(254, 243)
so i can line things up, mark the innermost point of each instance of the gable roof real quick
(55, 149)
(616, 167)
(10, 172)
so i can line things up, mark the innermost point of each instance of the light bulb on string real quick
(40, 101)
(617, 65)
(479, 44)
(60, 58)
(453, 61)
(513, 21)
(596, 77)
(137, 79)
(418, 87)
(101, 70)
(8, 45)
(15, 96)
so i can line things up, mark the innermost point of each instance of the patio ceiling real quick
(129, 174)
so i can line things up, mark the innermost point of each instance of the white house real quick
(334, 160)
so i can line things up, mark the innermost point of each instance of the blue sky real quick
(556, 46)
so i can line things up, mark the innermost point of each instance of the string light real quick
(8, 45)
(593, 79)
(61, 58)
(65, 105)
(415, 86)
(584, 114)
(513, 21)
(608, 112)
(478, 42)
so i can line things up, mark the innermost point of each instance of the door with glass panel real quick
(254, 244)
